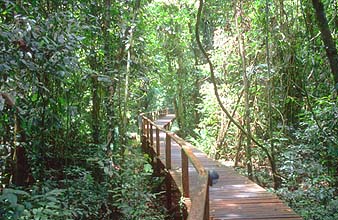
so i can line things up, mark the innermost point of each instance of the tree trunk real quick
(21, 168)
(247, 119)
(223, 132)
(330, 47)
(106, 67)
(95, 110)
(276, 179)
(238, 149)
(128, 68)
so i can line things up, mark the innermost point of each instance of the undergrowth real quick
(116, 187)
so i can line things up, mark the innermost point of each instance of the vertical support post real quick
(142, 134)
(185, 173)
(168, 190)
(144, 143)
(168, 151)
(158, 150)
(151, 135)
(143, 126)
(148, 128)
(206, 208)
(145, 135)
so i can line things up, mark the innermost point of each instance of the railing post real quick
(206, 208)
(168, 151)
(151, 135)
(185, 173)
(143, 126)
(168, 166)
(143, 136)
(148, 128)
(168, 190)
(158, 150)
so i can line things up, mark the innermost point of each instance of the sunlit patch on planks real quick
(232, 197)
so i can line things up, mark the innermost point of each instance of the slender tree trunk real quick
(95, 110)
(106, 67)
(222, 135)
(128, 67)
(238, 148)
(180, 101)
(276, 178)
(247, 119)
(196, 93)
(269, 86)
(126, 88)
(330, 46)
(21, 168)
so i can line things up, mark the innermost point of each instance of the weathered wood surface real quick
(233, 196)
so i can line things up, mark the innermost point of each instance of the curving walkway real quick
(233, 196)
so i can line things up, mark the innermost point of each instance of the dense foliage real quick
(66, 117)
(75, 75)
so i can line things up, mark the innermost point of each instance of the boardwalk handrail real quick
(198, 209)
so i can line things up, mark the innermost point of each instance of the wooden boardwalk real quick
(233, 196)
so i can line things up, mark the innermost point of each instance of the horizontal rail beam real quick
(187, 147)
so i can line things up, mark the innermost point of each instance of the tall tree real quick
(246, 82)
(330, 46)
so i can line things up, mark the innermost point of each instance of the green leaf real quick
(12, 198)
(52, 199)
(55, 192)
(34, 97)
(147, 168)
(15, 191)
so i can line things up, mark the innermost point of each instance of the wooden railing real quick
(198, 208)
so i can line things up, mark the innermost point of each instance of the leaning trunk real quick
(330, 47)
